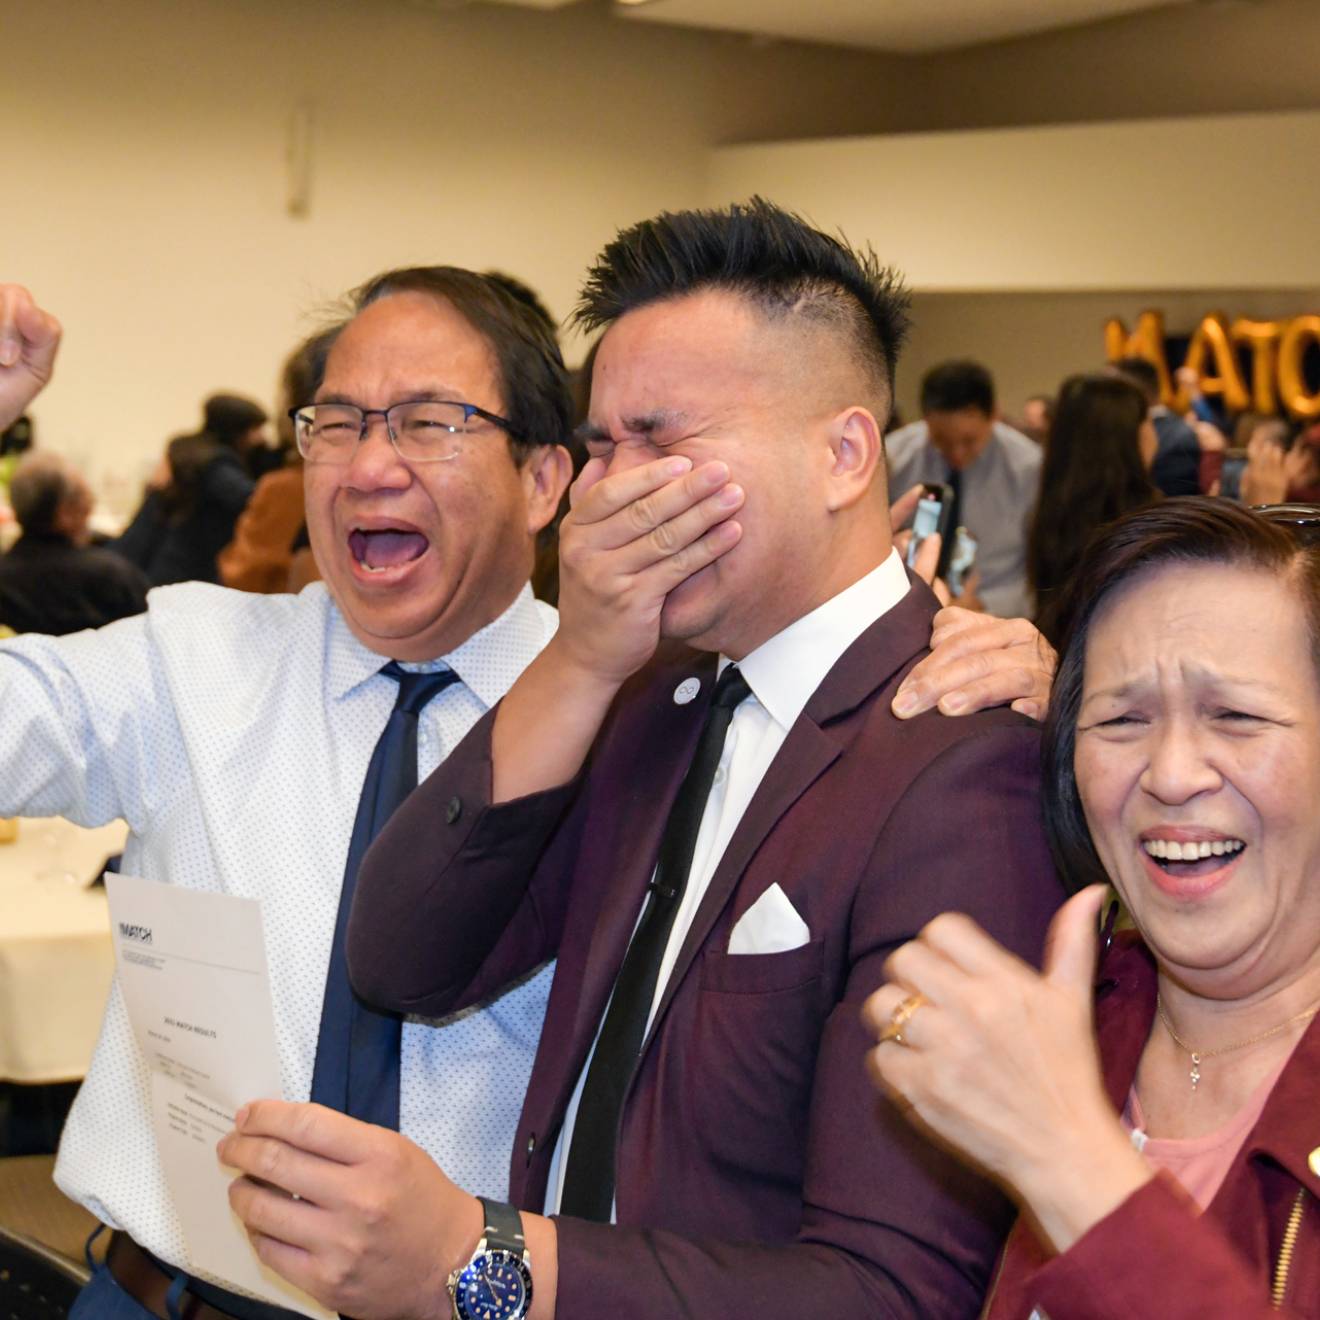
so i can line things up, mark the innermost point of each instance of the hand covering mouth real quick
(380, 548)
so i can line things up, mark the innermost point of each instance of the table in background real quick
(56, 959)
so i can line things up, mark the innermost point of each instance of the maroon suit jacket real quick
(758, 1174)
(1157, 1257)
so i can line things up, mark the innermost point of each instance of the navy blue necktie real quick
(357, 1051)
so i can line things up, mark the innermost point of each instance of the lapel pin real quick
(686, 691)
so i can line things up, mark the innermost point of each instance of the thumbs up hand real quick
(999, 1061)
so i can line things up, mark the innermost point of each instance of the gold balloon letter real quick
(1292, 383)
(1146, 341)
(1212, 340)
(1262, 337)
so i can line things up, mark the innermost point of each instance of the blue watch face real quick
(495, 1286)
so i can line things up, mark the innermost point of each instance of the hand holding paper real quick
(357, 1215)
(193, 971)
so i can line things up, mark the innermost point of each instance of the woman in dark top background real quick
(1097, 467)
(184, 523)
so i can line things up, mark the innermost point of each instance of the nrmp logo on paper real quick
(140, 933)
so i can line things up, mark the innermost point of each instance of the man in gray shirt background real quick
(993, 469)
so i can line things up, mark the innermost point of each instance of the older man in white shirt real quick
(233, 732)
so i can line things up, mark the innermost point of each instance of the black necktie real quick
(357, 1051)
(589, 1177)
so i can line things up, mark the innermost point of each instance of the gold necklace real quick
(1198, 1055)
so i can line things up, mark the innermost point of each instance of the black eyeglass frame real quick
(470, 410)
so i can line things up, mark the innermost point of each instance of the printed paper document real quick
(192, 966)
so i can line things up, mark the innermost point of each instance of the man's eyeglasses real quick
(425, 431)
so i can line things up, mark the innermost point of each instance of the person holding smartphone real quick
(992, 471)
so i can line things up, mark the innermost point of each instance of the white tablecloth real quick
(56, 958)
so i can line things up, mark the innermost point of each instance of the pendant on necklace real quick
(1196, 1070)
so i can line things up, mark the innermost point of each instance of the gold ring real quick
(899, 1019)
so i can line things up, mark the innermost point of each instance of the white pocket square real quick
(770, 925)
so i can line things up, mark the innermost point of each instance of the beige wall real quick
(1061, 206)
(145, 180)
(1182, 61)
(144, 196)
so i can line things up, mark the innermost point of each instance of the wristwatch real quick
(496, 1284)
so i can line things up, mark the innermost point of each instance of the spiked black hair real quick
(783, 265)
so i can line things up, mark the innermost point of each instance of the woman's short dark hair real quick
(1191, 529)
(770, 256)
(533, 382)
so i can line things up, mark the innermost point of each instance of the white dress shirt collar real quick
(519, 631)
(784, 671)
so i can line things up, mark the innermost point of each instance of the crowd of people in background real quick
(225, 505)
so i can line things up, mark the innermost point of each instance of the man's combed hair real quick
(953, 386)
(533, 380)
(770, 256)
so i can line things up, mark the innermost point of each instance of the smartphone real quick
(961, 562)
(934, 513)
(1230, 475)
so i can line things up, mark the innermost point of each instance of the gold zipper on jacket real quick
(1284, 1263)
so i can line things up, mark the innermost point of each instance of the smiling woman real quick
(1172, 1127)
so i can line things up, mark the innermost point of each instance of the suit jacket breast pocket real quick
(761, 973)
(752, 1058)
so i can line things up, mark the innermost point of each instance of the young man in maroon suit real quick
(700, 800)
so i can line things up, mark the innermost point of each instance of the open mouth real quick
(379, 549)
(1188, 860)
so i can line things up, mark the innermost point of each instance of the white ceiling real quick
(904, 26)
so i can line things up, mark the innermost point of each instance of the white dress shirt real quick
(232, 732)
(782, 674)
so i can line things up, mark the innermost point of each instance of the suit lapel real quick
(807, 752)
